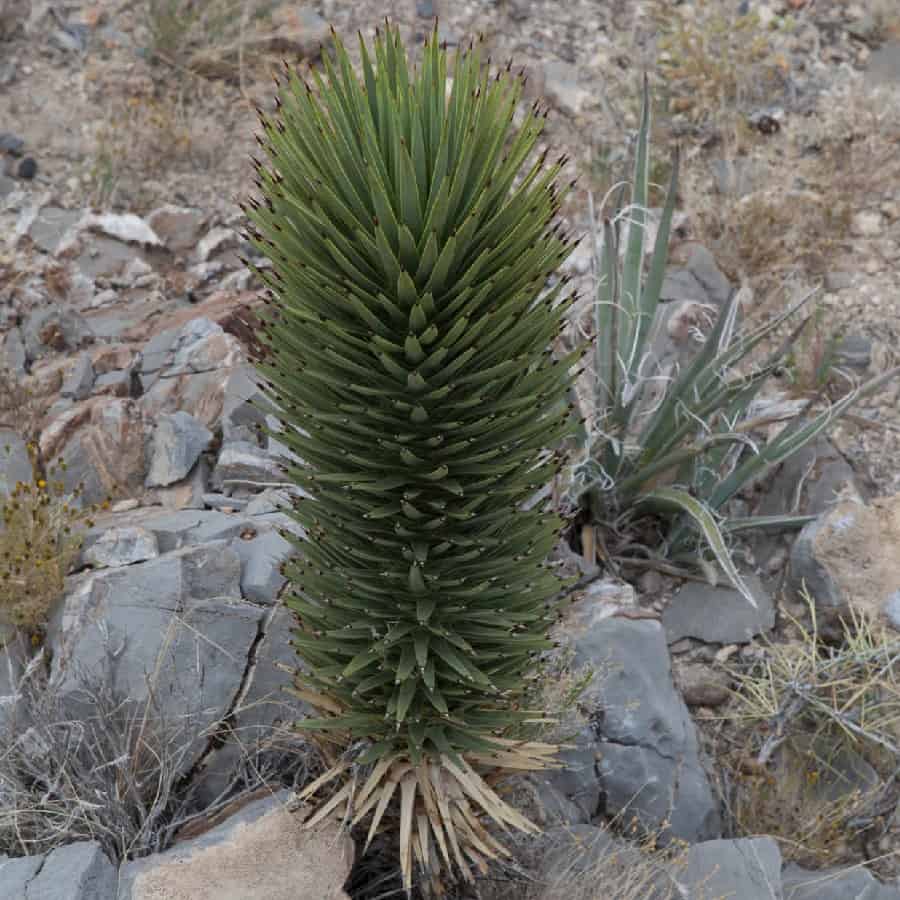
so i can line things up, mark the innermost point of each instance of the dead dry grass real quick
(816, 742)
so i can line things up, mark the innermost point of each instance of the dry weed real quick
(710, 57)
(115, 774)
(41, 531)
(817, 725)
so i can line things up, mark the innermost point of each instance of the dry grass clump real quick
(142, 136)
(220, 39)
(115, 772)
(588, 863)
(710, 57)
(41, 532)
(818, 731)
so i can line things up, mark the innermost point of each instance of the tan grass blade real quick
(431, 808)
(407, 801)
(320, 701)
(424, 841)
(447, 817)
(386, 793)
(322, 780)
(375, 778)
(345, 793)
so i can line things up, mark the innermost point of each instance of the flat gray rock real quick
(79, 871)
(743, 869)
(718, 615)
(171, 633)
(15, 463)
(649, 763)
(16, 874)
(834, 884)
(178, 441)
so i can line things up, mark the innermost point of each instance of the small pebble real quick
(27, 168)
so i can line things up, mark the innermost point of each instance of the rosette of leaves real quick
(411, 236)
(662, 454)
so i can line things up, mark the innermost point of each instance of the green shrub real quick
(662, 454)
(408, 331)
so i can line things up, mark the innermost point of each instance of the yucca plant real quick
(663, 453)
(411, 236)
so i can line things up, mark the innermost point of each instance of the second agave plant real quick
(411, 238)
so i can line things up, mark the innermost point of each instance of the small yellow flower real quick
(41, 483)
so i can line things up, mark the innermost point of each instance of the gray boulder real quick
(259, 731)
(718, 615)
(649, 765)
(171, 634)
(178, 441)
(834, 884)
(79, 871)
(743, 869)
(15, 463)
(16, 874)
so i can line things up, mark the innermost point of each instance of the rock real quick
(11, 143)
(810, 481)
(125, 227)
(113, 358)
(27, 168)
(742, 869)
(178, 227)
(296, 29)
(188, 368)
(241, 465)
(260, 728)
(225, 503)
(178, 441)
(101, 442)
(171, 633)
(701, 685)
(702, 265)
(240, 418)
(681, 285)
(718, 615)
(261, 579)
(175, 530)
(54, 329)
(834, 884)
(187, 493)
(52, 225)
(867, 223)
(103, 257)
(577, 780)
(12, 352)
(850, 556)
(561, 87)
(114, 384)
(261, 853)
(269, 501)
(15, 462)
(216, 241)
(649, 763)
(79, 871)
(16, 874)
(121, 547)
(854, 352)
(78, 383)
